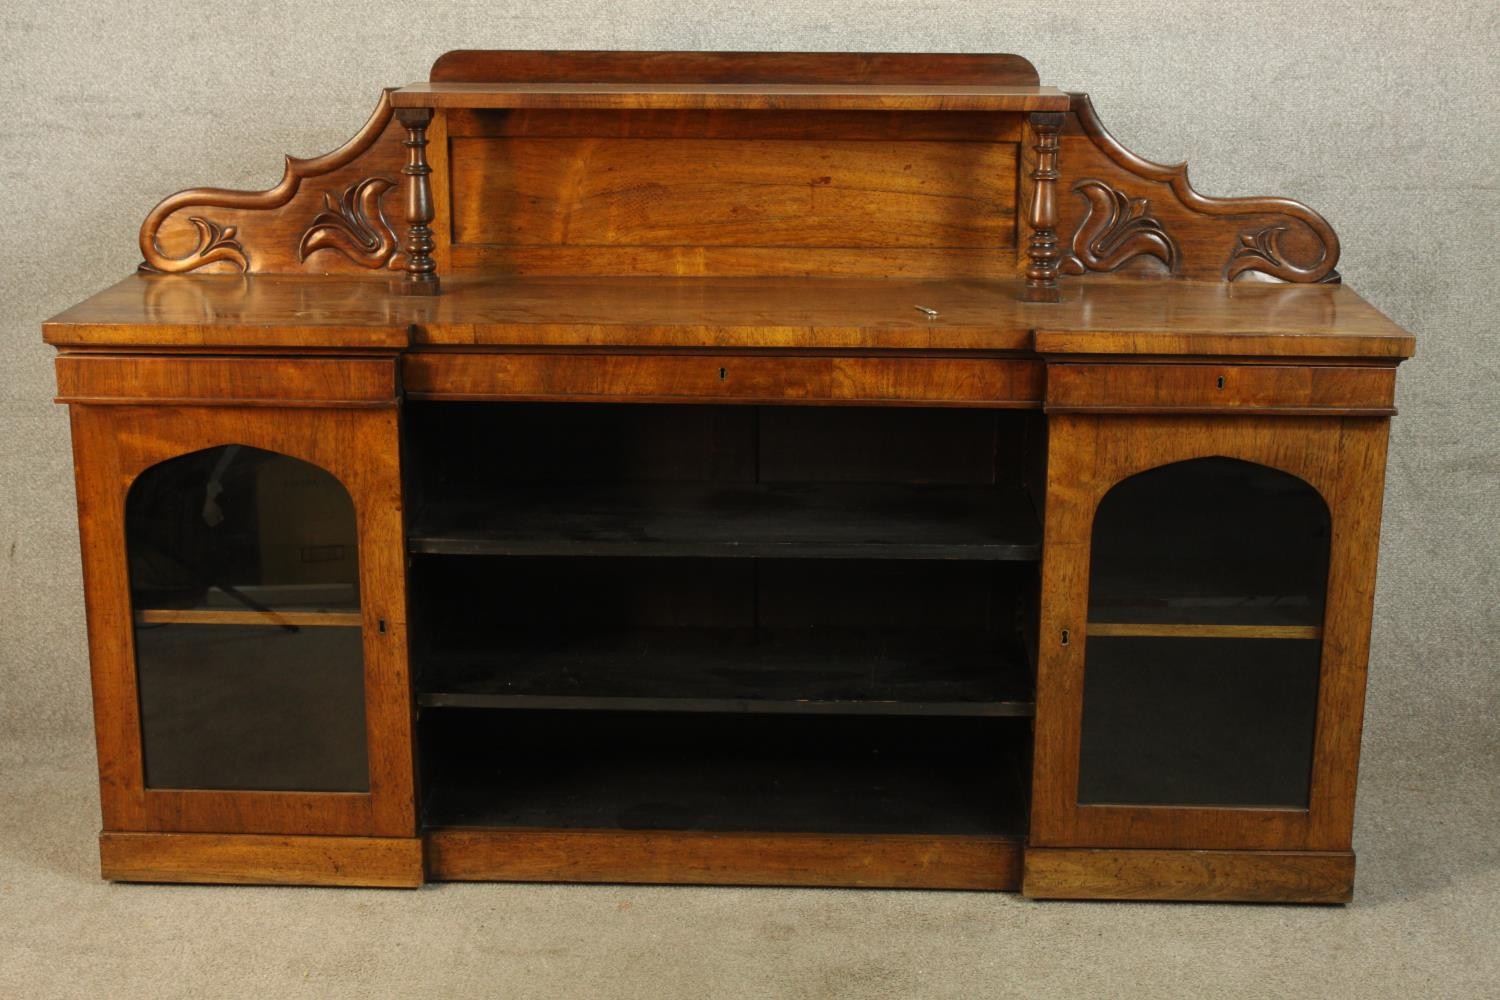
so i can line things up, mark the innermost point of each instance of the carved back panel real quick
(872, 194)
(1119, 212)
(333, 214)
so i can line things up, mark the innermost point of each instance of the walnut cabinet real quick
(744, 468)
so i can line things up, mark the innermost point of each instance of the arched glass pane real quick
(1206, 595)
(244, 581)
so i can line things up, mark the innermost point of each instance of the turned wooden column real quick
(421, 270)
(1041, 275)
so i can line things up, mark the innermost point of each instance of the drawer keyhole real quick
(1219, 382)
(724, 373)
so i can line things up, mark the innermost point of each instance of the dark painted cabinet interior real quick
(693, 591)
(244, 581)
(1205, 611)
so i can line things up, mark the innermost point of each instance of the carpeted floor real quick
(1425, 922)
(1382, 116)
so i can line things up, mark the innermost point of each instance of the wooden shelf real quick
(208, 616)
(1197, 631)
(725, 773)
(785, 671)
(733, 97)
(834, 521)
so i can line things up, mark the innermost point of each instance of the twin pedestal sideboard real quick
(744, 468)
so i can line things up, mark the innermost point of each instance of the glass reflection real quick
(1217, 569)
(244, 578)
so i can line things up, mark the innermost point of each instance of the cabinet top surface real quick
(644, 200)
(729, 96)
(1095, 316)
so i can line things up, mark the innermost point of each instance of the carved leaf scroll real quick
(353, 224)
(1198, 237)
(1116, 229)
(215, 243)
(1262, 250)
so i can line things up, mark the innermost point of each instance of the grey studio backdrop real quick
(1382, 116)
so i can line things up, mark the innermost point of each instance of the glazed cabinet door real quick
(1207, 597)
(246, 601)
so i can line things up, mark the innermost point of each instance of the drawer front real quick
(248, 381)
(1155, 388)
(995, 382)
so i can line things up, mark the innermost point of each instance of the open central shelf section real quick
(731, 559)
(631, 771)
(742, 520)
(843, 671)
(722, 558)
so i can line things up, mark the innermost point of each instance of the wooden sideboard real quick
(745, 468)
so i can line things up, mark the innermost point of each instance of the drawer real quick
(1155, 388)
(730, 378)
(238, 381)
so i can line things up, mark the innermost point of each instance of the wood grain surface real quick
(204, 616)
(1206, 876)
(1099, 316)
(239, 859)
(615, 66)
(1118, 629)
(1209, 388)
(156, 380)
(784, 193)
(726, 378)
(734, 96)
(689, 858)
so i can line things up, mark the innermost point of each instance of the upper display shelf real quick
(727, 165)
(731, 97)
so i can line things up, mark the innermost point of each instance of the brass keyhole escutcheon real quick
(1219, 382)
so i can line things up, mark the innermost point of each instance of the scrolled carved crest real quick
(1202, 238)
(215, 243)
(353, 224)
(1261, 250)
(1116, 228)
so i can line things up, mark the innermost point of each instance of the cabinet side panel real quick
(106, 590)
(1350, 609)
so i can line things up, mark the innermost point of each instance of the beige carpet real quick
(1381, 116)
(1425, 922)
